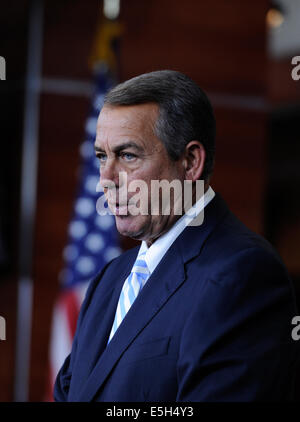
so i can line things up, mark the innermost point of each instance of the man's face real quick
(126, 142)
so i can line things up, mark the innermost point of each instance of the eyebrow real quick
(121, 147)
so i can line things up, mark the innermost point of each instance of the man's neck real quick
(150, 242)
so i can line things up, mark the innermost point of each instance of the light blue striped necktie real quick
(131, 288)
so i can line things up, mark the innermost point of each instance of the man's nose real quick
(108, 175)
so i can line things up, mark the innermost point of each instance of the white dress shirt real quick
(157, 250)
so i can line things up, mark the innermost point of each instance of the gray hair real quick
(185, 113)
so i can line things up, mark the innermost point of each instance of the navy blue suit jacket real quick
(213, 323)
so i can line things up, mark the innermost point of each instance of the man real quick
(198, 312)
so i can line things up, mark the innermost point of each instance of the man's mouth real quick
(119, 208)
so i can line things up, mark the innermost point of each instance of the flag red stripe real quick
(69, 303)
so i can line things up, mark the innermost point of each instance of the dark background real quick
(222, 45)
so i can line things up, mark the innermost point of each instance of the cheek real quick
(140, 178)
(162, 170)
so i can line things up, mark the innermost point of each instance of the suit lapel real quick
(96, 328)
(193, 238)
(164, 281)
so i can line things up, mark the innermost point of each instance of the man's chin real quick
(130, 225)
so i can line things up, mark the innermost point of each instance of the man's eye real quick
(128, 156)
(101, 157)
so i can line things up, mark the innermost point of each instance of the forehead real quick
(136, 121)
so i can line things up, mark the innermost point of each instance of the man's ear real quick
(193, 160)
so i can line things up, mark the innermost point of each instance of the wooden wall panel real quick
(221, 44)
(69, 31)
(241, 163)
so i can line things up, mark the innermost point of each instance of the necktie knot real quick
(140, 267)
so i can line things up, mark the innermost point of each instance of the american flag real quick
(93, 239)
